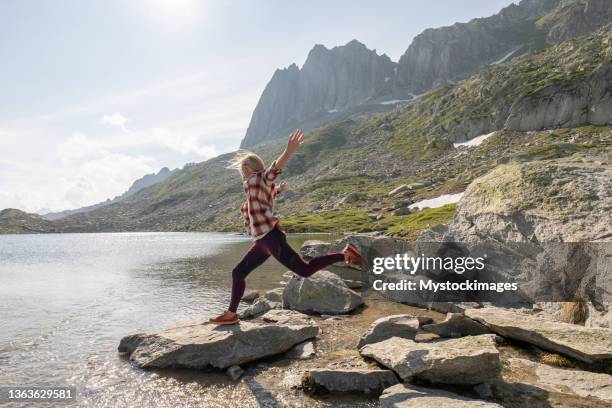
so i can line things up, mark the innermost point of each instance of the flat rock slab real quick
(370, 382)
(457, 325)
(411, 396)
(466, 361)
(323, 292)
(404, 326)
(203, 345)
(581, 343)
(580, 387)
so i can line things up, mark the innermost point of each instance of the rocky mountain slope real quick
(539, 106)
(145, 181)
(333, 84)
(330, 81)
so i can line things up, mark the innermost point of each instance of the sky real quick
(96, 94)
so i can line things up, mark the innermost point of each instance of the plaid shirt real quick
(257, 210)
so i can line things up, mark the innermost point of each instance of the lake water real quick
(67, 299)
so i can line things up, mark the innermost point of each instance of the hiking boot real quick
(226, 318)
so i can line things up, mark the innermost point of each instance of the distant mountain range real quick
(145, 181)
(335, 83)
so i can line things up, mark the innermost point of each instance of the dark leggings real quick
(275, 243)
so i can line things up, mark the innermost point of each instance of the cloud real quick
(116, 119)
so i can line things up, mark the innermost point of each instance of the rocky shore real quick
(374, 351)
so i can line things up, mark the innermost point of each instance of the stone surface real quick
(275, 295)
(303, 351)
(370, 382)
(261, 305)
(578, 342)
(578, 388)
(249, 296)
(234, 372)
(411, 396)
(203, 345)
(405, 326)
(467, 361)
(323, 292)
(457, 325)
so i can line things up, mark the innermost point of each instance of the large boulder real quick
(457, 325)
(465, 361)
(411, 396)
(405, 326)
(323, 292)
(527, 381)
(370, 382)
(581, 343)
(202, 345)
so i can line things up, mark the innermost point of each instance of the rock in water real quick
(411, 396)
(525, 380)
(581, 343)
(323, 292)
(465, 361)
(370, 382)
(457, 325)
(203, 345)
(404, 326)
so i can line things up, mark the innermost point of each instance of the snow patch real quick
(394, 101)
(476, 141)
(387, 79)
(332, 111)
(437, 202)
(505, 57)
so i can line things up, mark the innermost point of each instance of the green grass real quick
(342, 221)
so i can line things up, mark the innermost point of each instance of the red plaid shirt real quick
(257, 210)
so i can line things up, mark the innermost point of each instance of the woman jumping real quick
(264, 227)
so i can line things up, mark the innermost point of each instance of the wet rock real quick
(303, 351)
(234, 372)
(203, 345)
(250, 296)
(581, 343)
(534, 380)
(457, 325)
(411, 396)
(370, 382)
(261, 305)
(323, 292)
(466, 361)
(353, 284)
(404, 326)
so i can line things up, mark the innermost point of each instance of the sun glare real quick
(177, 10)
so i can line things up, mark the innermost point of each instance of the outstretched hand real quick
(295, 140)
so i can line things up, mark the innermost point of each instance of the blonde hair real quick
(245, 162)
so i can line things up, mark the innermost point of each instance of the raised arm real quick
(295, 140)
